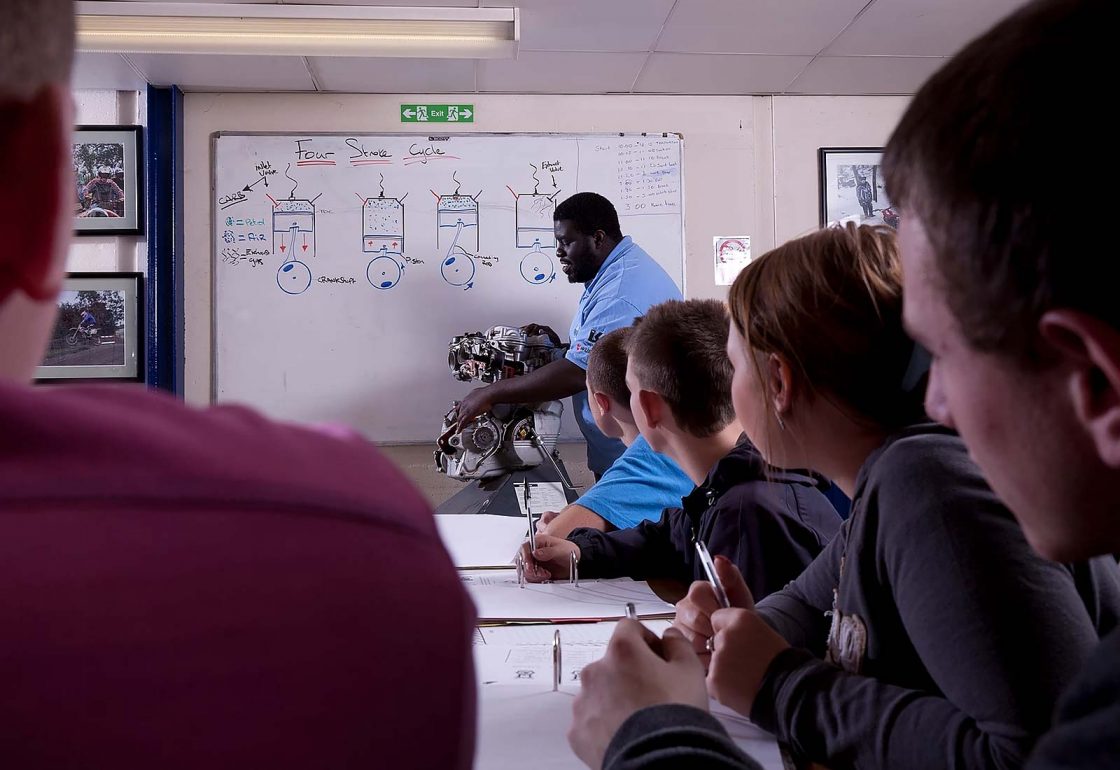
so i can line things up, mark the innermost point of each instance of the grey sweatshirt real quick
(952, 639)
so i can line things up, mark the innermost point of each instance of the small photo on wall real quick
(107, 180)
(97, 333)
(852, 187)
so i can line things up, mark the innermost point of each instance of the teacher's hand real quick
(477, 402)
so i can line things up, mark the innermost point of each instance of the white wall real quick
(802, 124)
(107, 253)
(749, 168)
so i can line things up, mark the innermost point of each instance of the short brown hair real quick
(606, 365)
(831, 304)
(36, 46)
(679, 350)
(1001, 221)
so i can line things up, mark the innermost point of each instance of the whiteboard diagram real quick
(383, 236)
(533, 223)
(456, 236)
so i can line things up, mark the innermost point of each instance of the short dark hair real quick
(606, 365)
(589, 212)
(965, 160)
(679, 350)
(36, 46)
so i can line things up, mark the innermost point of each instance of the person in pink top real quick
(189, 588)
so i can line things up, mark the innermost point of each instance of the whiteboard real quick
(345, 263)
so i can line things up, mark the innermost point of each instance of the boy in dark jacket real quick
(771, 523)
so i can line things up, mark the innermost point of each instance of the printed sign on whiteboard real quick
(733, 252)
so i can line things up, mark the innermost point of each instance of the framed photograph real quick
(109, 177)
(99, 331)
(852, 188)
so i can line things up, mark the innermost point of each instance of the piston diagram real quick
(383, 236)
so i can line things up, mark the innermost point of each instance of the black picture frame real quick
(110, 347)
(108, 166)
(842, 171)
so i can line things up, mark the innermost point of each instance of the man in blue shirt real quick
(621, 281)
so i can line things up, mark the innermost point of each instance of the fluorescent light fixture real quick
(297, 30)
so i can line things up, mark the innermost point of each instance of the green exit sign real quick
(437, 113)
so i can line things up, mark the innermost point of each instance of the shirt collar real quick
(615, 255)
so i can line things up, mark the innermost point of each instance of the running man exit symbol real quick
(437, 113)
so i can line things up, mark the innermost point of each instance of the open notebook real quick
(498, 598)
(522, 721)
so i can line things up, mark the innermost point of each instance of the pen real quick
(556, 660)
(631, 612)
(529, 516)
(710, 570)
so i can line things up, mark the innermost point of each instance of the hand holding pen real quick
(742, 645)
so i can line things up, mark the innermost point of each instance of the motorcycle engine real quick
(510, 437)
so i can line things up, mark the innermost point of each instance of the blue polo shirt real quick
(628, 283)
(639, 486)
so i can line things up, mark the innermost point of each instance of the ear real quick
(653, 407)
(598, 239)
(779, 383)
(603, 401)
(1089, 349)
(35, 147)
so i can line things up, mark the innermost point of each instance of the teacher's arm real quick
(557, 380)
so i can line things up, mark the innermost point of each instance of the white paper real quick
(481, 540)
(570, 633)
(497, 596)
(543, 496)
(732, 254)
(521, 716)
(522, 726)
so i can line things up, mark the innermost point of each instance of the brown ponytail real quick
(831, 304)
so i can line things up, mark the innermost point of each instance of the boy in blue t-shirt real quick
(639, 484)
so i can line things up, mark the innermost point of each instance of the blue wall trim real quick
(165, 239)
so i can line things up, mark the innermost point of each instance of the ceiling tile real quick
(225, 73)
(105, 70)
(394, 76)
(560, 73)
(919, 27)
(718, 74)
(857, 75)
(756, 26)
(588, 25)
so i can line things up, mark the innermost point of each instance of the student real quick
(620, 282)
(638, 485)
(928, 634)
(771, 522)
(1017, 302)
(191, 588)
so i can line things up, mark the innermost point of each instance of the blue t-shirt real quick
(628, 283)
(639, 485)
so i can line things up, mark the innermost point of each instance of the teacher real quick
(621, 281)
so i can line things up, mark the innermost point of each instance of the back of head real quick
(679, 350)
(606, 366)
(589, 212)
(36, 53)
(36, 49)
(1013, 240)
(830, 303)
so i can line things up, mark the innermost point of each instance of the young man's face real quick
(1014, 419)
(576, 252)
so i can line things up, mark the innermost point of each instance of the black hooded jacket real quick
(770, 522)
